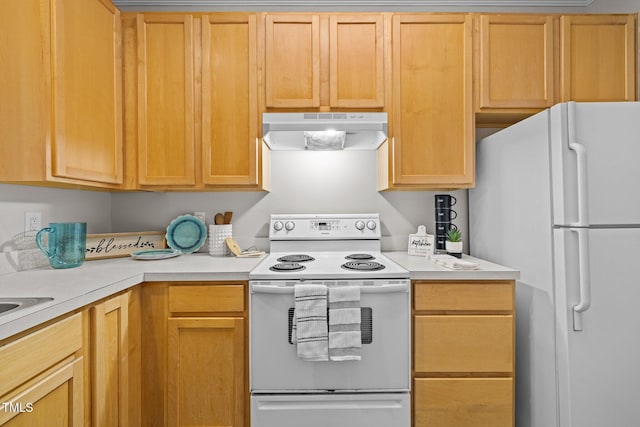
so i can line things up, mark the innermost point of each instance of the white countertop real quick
(94, 280)
(421, 268)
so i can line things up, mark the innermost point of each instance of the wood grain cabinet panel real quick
(463, 402)
(463, 353)
(356, 52)
(42, 376)
(166, 144)
(515, 68)
(432, 143)
(61, 110)
(110, 378)
(194, 354)
(292, 75)
(324, 60)
(229, 100)
(598, 57)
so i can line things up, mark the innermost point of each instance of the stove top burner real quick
(362, 265)
(360, 257)
(287, 266)
(296, 258)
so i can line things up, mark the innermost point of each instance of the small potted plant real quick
(453, 244)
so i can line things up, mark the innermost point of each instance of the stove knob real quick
(360, 225)
(289, 225)
(277, 225)
(371, 225)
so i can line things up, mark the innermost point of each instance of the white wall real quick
(302, 182)
(56, 205)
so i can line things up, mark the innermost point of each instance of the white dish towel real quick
(345, 339)
(309, 331)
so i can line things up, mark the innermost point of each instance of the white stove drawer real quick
(335, 410)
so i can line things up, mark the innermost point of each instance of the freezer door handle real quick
(585, 285)
(581, 155)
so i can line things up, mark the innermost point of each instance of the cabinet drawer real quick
(463, 344)
(28, 356)
(473, 296)
(463, 402)
(206, 298)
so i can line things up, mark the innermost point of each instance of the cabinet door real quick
(55, 400)
(432, 145)
(516, 61)
(229, 100)
(598, 57)
(87, 92)
(463, 402)
(109, 362)
(356, 56)
(166, 146)
(25, 88)
(292, 61)
(206, 378)
(463, 344)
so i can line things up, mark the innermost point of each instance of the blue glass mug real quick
(67, 243)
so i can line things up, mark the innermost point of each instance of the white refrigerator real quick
(558, 198)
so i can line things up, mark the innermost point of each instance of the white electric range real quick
(332, 251)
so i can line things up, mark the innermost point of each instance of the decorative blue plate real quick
(186, 234)
(155, 254)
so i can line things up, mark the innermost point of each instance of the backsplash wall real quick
(56, 205)
(301, 182)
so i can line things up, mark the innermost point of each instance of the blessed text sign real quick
(113, 245)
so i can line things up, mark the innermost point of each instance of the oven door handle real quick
(377, 289)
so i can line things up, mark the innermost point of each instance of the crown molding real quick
(332, 4)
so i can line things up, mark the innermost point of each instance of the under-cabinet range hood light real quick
(324, 131)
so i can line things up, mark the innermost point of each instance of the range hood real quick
(324, 131)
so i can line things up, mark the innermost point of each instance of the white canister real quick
(421, 243)
(217, 236)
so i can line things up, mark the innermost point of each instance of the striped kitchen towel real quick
(310, 331)
(345, 339)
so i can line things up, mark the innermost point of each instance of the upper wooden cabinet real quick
(514, 62)
(432, 143)
(598, 57)
(194, 124)
(525, 63)
(321, 60)
(61, 114)
(166, 143)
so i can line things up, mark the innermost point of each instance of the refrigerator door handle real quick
(581, 155)
(585, 285)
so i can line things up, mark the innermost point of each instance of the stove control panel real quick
(324, 227)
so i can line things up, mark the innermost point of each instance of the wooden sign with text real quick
(113, 245)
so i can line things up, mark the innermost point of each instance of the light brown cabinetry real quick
(195, 117)
(432, 135)
(194, 354)
(598, 57)
(528, 62)
(42, 379)
(515, 63)
(463, 353)
(322, 60)
(60, 126)
(111, 378)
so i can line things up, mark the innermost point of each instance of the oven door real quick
(386, 336)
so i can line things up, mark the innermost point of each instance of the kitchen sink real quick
(11, 305)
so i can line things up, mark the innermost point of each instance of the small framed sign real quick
(421, 243)
(114, 245)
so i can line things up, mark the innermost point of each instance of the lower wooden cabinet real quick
(110, 374)
(42, 377)
(463, 353)
(194, 369)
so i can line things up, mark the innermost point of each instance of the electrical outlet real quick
(201, 215)
(32, 221)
